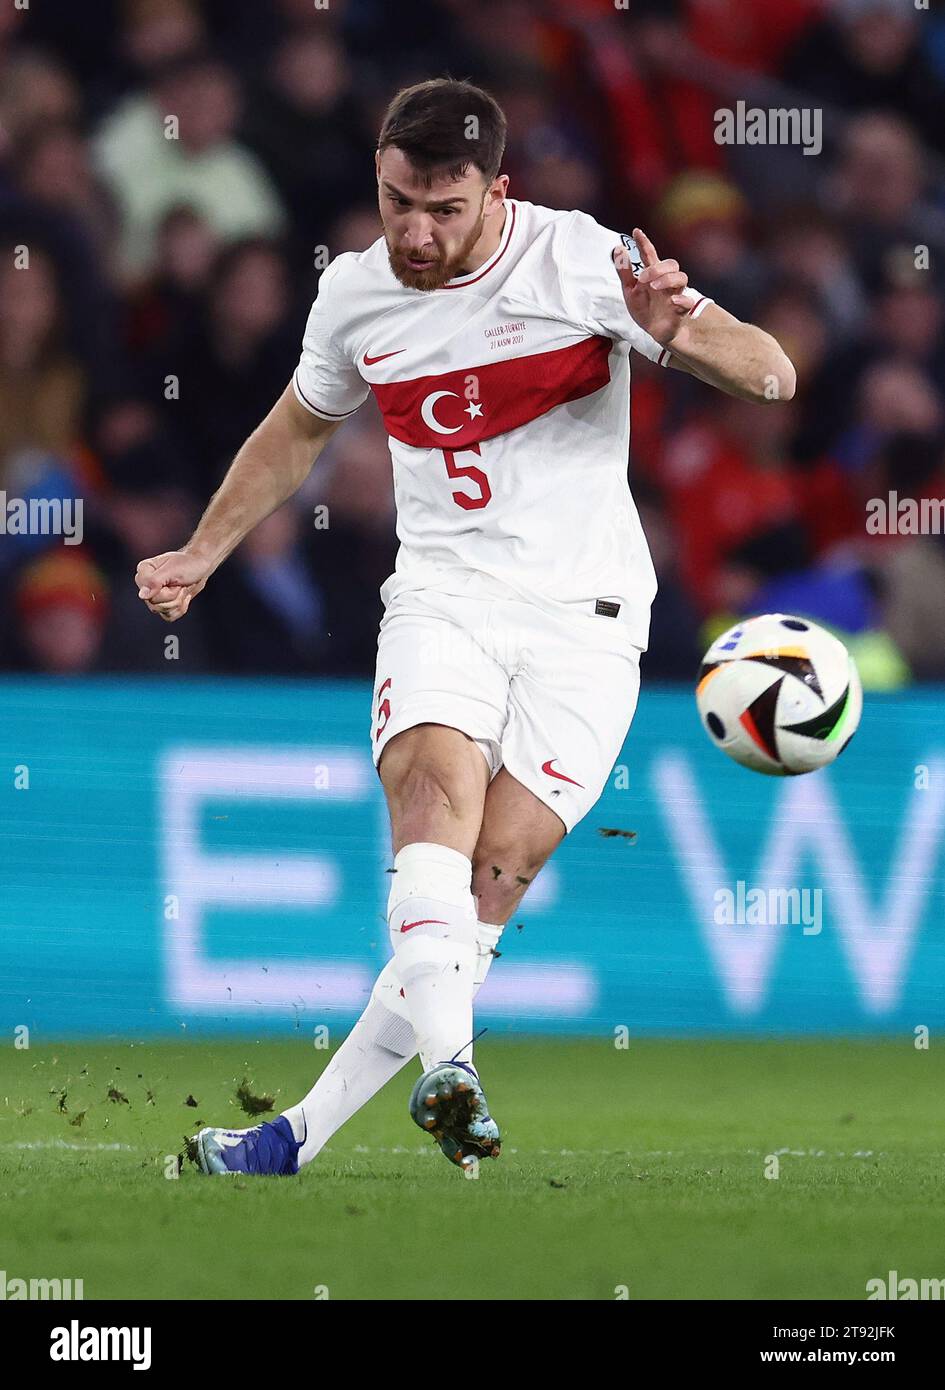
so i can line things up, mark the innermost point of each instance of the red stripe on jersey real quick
(456, 409)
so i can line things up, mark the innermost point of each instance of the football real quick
(779, 695)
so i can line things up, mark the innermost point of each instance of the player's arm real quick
(716, 347)
(273, 463)
(736, 357)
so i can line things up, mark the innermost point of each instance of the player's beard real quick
(440, 269)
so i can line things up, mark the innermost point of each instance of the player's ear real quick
(495, 192)
(377, 164)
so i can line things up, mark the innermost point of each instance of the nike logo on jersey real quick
(424, 922)
(546, 767)
(369, 361)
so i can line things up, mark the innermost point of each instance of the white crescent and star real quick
(473, 410)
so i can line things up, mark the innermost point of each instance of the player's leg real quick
(429, 663)
(518, 835)
(379, 1045)
(440, 701)
(515, 838)
(435, 779)
(572, 698)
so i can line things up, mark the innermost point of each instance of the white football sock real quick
(432, 918)
(378, 1046)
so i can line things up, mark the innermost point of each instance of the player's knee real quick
(420, 788)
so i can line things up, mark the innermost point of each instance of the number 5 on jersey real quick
(475, 475)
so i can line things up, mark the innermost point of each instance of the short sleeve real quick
(326, 381)
(594, 292)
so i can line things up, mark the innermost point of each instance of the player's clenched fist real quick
(166, 583)
(653, 290)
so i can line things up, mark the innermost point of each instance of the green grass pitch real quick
(637, 1172)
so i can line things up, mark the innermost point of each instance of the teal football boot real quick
(448, 1102)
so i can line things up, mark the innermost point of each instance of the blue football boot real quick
(267, 1150)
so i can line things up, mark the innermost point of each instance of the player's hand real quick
(167, 583)
(654, 298)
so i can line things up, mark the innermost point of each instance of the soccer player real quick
(496, 338)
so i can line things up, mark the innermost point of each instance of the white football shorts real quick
(549, 697)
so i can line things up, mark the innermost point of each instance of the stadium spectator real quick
(877, 190)
(61, 607)
(806, 248)
(176, 144)
(867, 55)
(267, 613)
(53, 170)
(226, 370)
(305, 124)
(42, 387)
(704, 217)
(35, 91)
(166, 309)
(357, 227)
(727, 477)
(146, 498)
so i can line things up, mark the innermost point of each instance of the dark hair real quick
(431, 123)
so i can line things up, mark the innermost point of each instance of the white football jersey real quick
(506, 396)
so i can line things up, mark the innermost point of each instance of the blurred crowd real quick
(173, 175)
